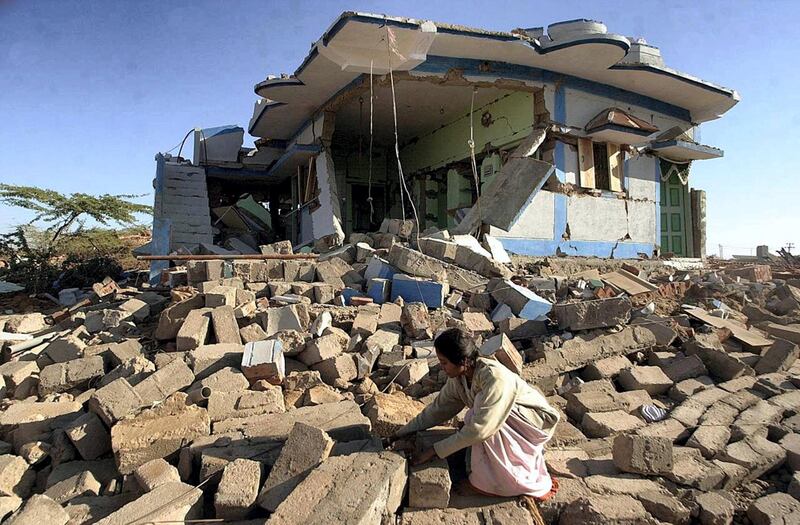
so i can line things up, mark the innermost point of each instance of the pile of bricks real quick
(266, 391)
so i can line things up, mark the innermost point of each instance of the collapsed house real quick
(405, 118)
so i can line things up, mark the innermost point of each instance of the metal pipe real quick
(199, 395)
(226, 257)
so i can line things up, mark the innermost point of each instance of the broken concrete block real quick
(415, 321)
(715, 509)
(39, 509)
(264, 360)
(303, 451)
(320, 349)
(649, 378)
(163, 382)
(134, 370)
(252, 333)
(366, 321)
(171, 319)
(155, 473)
(417, 290)
(89, 436)
(65, 349)
(194, 330)
(587, 315)
(20, 378)
(82, 484)
(340, 368)
(647, 455)
(777, 358)
(607, 368)
(226, 330)
(247, 403)
(208, 359)
(597, 510)
(791, 444)
(604, 424)
(477, 323)
(16, 476)
(722, 365)
(665, 507)
(709, 439)
(157, 433)
(283, 318)
(139, 309)
(501, 347)
(25, 323)
(380, 290)
(756, 454)
(114, 401)
(61, 377)
(409, 371)
(519, 329)
(682, 368)
(170, 502)
(342, 421)
(389, 412)
(226, 380)
(238, 489)
(774, 509)
(220, 296)
(522, 301)
(429, 485)
(358, 488)
(378, 268)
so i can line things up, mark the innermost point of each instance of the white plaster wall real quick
(609, 219)
(582, 107)
(325, 220)
(536, 220)
(642, 221)
(571, 168)
(596, 218)
(640, 177)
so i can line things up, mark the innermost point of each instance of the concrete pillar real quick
(698, 223)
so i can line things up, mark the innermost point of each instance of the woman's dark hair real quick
(456, 345)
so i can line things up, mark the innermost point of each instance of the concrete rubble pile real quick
(265, 390)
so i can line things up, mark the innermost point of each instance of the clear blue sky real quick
(91, 90)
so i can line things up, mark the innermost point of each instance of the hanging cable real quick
(389, 39)
(471, 144)
(369, 183)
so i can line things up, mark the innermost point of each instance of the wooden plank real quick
(586, 163)
(628, 282)
(739, 331)
(615, 160)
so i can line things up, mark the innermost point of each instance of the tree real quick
(62, 211)
(33, 251)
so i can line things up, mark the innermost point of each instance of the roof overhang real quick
(617, 134)
(357, 43)
(682, 150)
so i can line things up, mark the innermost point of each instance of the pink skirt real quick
(511, 462)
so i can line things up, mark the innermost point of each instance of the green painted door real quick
(675, 220)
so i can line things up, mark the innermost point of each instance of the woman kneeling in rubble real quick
(506, 426)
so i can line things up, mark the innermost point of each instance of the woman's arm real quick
(446, 406)
(493, 404)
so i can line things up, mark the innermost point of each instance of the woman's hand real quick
(423, 457)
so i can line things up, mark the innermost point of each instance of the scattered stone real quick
(238, 489)
(155, 473)
(643, 454)
(303, 451)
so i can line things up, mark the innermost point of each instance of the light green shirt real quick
(502, 389)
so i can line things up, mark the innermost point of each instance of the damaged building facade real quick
(570, 140)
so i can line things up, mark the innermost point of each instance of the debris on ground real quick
(266, 389)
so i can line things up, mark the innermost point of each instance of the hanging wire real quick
(389, 40)
(471, 144)
(369, 183)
